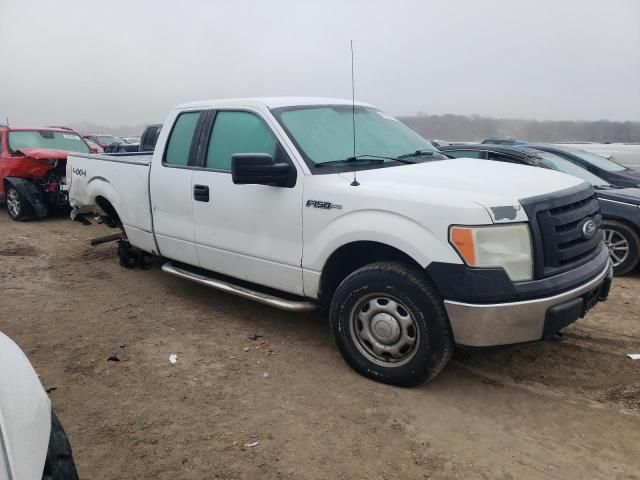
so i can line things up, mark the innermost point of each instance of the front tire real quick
(59, 464)
(390, 325)
(16, 204)
(623, 243)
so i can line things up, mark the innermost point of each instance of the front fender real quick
(380, 226)
(31, 193)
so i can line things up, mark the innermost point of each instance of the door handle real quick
(201, 193)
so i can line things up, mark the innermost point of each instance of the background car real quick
(612, 172)
(34, 444)
(95, 148)
(33, 167)
(104, 139)
(131, 139)
(620, 207)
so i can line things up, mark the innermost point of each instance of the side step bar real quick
(261, 297)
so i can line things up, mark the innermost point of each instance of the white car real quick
(33, 445)
(277, 200)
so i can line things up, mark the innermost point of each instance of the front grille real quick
(556, 227)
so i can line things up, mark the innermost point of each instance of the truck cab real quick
(282, 201)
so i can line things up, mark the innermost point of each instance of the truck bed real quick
(124, 179)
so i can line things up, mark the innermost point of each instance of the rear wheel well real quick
(352, 256)
(109, 210)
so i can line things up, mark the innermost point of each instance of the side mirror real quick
(260, 169)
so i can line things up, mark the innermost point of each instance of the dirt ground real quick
(247, 373)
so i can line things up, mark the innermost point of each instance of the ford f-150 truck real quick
(280, 201)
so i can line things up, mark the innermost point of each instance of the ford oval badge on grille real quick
(589, 228)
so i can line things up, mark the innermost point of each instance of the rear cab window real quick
(181, 139)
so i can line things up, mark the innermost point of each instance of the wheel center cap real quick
(385, 328)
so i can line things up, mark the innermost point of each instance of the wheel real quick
(623, 243)
(390, 325)
(59, 464)
(127, 254)
(16, 205)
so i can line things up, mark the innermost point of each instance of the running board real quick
(261, 297)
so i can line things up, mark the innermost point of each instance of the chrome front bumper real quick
(487, 325)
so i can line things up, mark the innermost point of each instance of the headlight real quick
(506, 246)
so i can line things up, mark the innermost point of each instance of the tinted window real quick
(237, 132)
(464, 153)
(180, 139)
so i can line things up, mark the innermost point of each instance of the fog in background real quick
(128, 62)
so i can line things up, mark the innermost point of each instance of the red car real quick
(32, 167)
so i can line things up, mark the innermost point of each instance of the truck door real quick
(251, 232)
(170, 189)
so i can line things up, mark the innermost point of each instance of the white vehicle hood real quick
(25, 416)
(497, 186)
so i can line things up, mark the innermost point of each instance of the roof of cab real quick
(270, 102)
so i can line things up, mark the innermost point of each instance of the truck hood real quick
(43, 153)
(496, 186)
(25, 414)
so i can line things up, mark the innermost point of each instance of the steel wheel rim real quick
(13, 203)
(618, 246)
(384, 331)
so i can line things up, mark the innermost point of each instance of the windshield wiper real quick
(365, 158)
(418, 153)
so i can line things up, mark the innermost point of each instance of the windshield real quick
(595, 160)
(109, 139)
(554, 162)
(46, 139)
(324, 133)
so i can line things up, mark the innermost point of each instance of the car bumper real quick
(487, 325)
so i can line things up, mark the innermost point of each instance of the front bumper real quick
(487, 325)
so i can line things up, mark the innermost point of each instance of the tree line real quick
(476, 128)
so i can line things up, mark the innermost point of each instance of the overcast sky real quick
(128, 62)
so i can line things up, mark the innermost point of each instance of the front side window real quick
(324, 134)
(179, 144)
(237, 132)
(56, 140)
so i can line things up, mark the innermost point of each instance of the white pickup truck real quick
(412, 254)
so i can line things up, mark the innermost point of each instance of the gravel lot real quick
(247, 373)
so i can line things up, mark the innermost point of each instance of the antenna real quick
(355, 182)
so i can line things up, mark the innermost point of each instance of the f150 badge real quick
(324, 205)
